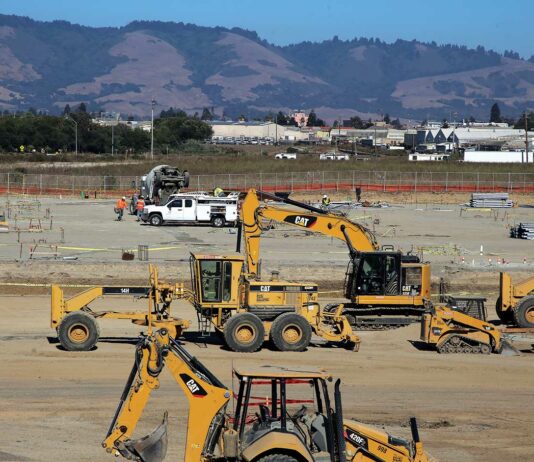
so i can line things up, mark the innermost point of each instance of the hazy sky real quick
(499, 25)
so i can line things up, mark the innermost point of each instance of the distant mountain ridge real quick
(46, 65)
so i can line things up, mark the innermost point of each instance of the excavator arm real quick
(207, 398)
(253, 212)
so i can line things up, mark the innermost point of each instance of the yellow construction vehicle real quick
(452, 331)
(76, 324)
(385, 288)
(249, 311)
(515, 304)
(268, 425)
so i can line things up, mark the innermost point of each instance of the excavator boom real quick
(253, 212)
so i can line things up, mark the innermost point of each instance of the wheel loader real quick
(267, 424)
(77, 325)
(452, 331)
(515, 304)
(384, 288)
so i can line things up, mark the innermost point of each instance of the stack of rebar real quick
(490, 200)
(523, 231)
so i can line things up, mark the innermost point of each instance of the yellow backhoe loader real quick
(267, 426)
(386, 289)
(76, 323)
(452, 331)
(515, 304)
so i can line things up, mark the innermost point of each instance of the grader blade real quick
(152, 447)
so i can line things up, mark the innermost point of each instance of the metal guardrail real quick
(386, 181)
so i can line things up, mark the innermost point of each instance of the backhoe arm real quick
(357, 237)
(207, 398)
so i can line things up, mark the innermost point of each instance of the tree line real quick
(41, 133)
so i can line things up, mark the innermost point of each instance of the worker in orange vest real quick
(119, 208)
(139, 207)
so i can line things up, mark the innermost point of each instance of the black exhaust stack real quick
(415, 430)
(340, 434)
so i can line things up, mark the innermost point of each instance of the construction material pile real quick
(523, 231)
(490, 200)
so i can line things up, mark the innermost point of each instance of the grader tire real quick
(524, 312)
(278, 458)
(244, 333)
(291, 332)
(78, 331)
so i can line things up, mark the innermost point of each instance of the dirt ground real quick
(56, 404)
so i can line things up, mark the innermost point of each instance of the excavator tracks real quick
(464, 345)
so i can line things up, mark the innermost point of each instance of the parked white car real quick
(333, 156)
(285, 155)
(194, 207)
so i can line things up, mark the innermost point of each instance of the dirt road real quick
(58, 405)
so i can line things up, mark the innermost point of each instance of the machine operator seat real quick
(318, 432)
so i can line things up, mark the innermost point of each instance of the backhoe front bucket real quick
(152, 447)
(508, 349)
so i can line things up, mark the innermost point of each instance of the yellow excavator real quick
(515, 304)
(267, 425)
(386, 289)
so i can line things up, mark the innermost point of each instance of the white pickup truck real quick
(192, 208)
(286, 155)
(333, 156)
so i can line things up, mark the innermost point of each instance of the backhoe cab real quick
(249, 311)
(281, 415)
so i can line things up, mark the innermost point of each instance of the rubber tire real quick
(281, 322)
(505, 316)
(155, 220)
(237, 321)
(86, 320)
(521, 309)
(278, 458)
(218, 222)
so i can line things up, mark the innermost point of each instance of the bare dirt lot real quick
(56, 404)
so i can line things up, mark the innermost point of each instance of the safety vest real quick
(121, 204)
(140, 204)
(326, 201)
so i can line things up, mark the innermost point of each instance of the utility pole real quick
(526, 140)
(75, 133)
(112, 140)
(152, 131)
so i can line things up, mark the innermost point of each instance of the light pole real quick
(153, 103)
(112, 140)
(75, 133)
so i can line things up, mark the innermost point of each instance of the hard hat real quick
(123, 198)
(325, 196)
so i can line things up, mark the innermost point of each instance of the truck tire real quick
(155, 220)
(78, 331)
(278, 458)
(506, 316)
(244, 333)
(291, 332)
(524, 312)
(218, 222)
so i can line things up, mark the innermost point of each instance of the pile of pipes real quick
(490, 200)
(523, 231)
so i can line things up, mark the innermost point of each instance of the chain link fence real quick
(386, 181)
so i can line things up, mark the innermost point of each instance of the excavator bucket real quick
(508, 349)
(152, 447)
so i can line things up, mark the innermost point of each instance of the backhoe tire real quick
(291, 332)
(78, 331)
(506, 316)
(278, 458)
(244, 333)
(524, 312)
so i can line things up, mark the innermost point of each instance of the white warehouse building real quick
(257, 130)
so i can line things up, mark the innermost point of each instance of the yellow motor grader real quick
(271, 422)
